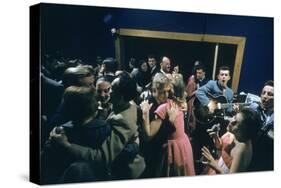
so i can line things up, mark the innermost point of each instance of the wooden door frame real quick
(239, 41)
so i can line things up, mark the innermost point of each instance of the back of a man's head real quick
(72, 76)
(110, 64)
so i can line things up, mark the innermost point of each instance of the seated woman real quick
(237, 149)
(223, 144)
(177, 155)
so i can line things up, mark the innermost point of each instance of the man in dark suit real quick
(152, 62)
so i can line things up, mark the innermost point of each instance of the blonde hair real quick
(178, 89)
(160, 81)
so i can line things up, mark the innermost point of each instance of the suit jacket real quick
(154, 70)
(124, 131)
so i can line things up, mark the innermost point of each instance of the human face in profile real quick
(87, 81)
(166, 64)
(234, 123)
(267, 96)
(115, 95)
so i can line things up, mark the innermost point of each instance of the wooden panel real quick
(238, 64)
(239, 41)
(160, 35)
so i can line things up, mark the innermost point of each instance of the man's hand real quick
(59, 137)
(212, 106)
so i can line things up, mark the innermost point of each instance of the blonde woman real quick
(177, 155)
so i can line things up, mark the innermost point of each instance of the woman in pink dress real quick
(224, 144)
(237, 148)
(177, 154)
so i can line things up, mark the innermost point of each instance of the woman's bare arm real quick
(150, 128)
(238, 158)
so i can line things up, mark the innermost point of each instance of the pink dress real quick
(177, 155)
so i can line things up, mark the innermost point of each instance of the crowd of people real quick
(99, 122)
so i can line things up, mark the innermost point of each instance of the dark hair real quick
(269, 83)
(111, 64)
(196, 64)
(224, 68)
(251, 121)
(72, 76)
(99, 60)
(198, 67)
(140, 63)
(133, 62)
(151, 56)
(79, 103)
(127, 86)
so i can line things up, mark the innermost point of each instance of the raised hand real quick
(184, 107)
(173, 112)
(208, 158)
(212, 106)
(214, 134)
(145, 107)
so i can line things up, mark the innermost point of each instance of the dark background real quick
(84, 32)
(182, 53)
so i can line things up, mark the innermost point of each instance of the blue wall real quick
(85, 32)
(258, 55)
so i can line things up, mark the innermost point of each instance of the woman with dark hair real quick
(236, 144)
(177, 156)
(142, 76)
